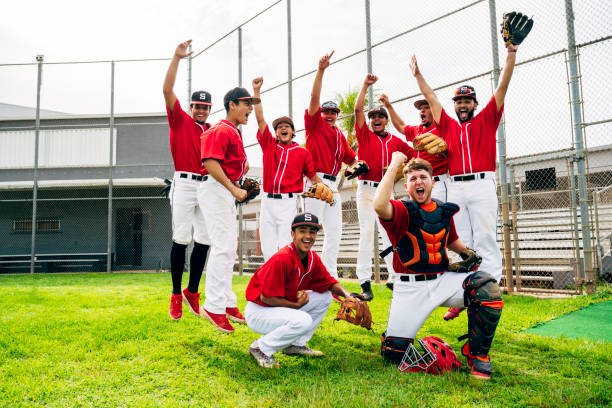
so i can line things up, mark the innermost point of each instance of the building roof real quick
(8, 110)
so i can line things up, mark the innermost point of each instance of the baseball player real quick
(329, 150)
(289, 296)
(375, 147)
(285, 163)
(224, 157)
(471, 163)
(421, 229)
(438, 161)
(187, 218)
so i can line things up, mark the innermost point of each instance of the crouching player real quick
(289, 296)
(420, 231)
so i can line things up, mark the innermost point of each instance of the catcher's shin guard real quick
(394, 348)
(484, 303)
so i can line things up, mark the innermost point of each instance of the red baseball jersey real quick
(223, 142)
(283, 275)
(327, 144)
(471, 145)
(376, 151)
(185, 140)
(396, 229)
(439, 161)
(284, 166)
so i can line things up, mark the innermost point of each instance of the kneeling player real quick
(289, 296)
(420, 231)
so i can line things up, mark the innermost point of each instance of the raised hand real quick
(370, 79)
(257, 83)
(414, 66)
(324, 61)
(181, 49)
(398, 158)
(384, 99)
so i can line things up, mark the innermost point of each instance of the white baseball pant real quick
(476, 221)
(218, 206)
(367, 218)
(187, 218)
(439, 190)
(412, 302)
(282, 326)
(330, 217)
(276, 215)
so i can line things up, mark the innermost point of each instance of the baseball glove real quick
(430, 143)
(252, 188)
(471, 261)
(399, 174)
(515, 27)
(356, 312)
(356, 169)
(165, 191)
(320, 191)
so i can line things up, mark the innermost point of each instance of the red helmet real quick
(437, 356)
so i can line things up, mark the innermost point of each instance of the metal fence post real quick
(289, 62)
(517, 258)
(370, 104)
(501, 148)
(240, 219)
(576, 236)
(109, 231)
(39, 59)
(575, 101)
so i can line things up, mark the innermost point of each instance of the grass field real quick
(107, 340)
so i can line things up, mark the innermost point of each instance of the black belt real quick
(329, 177)
(371, 183)
(194, 177)
(468, 177)
(436, 178)
(419, 278)
(289, 195)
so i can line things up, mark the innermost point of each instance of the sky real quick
(449, 50)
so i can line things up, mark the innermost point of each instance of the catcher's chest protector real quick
(423, 248)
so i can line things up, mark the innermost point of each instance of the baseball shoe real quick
(262, 359)
(218, 320)
(302, 351)
(389, 285)
(233, 313)
(192, 300)
(366, 291)
(480, 367)
(453, 312)
(176, 306)
(336, 298)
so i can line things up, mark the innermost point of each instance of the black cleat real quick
(366, 291)
(389, 285)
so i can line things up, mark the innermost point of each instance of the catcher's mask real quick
(435, 357)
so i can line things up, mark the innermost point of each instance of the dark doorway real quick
(131, 223)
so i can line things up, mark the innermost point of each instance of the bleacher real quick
(61, 262)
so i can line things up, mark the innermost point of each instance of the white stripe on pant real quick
(276, 216)
(367, 218)
(219, 210)
(282, 326)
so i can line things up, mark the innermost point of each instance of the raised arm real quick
(382, 205)
(426, 90)
(315, 95)
(502, 87)
(370, 79)
(261, 123)
(180, 53)
(398, 123)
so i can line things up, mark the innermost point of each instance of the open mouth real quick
(420, 192)
(463, 114)
(329, 120)
(284, 133)
(307, 243)
(423, 118)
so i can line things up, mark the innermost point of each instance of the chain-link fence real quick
(93, 193)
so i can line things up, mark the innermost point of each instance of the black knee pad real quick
(483, 299)
(393, 348)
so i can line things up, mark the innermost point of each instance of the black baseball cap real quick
(305, 219)
(378, 109)
(465, 91)
(330, 105)
(419, 102)
(283, 119)
(201, 98)
(239, 94)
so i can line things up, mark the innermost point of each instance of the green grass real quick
(107, 340)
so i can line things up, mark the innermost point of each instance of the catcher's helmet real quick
(436, 358)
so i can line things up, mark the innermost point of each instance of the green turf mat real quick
(593, 322)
